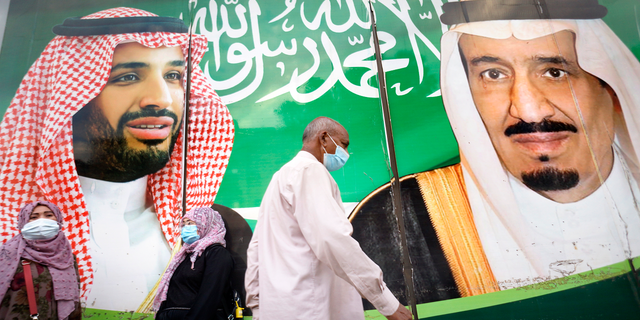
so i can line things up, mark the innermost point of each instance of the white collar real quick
(135, 191)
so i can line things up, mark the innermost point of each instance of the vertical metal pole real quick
(407, 268)
(185, 122)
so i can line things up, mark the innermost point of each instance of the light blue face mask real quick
(190, 234)
(335, 161)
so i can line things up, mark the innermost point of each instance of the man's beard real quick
(550, 179)
(102, 153)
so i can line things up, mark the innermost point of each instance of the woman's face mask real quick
(40, 229)
(190, 234)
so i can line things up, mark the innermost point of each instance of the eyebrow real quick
(554, 60)
(485, 59)
(130, 65)
(140, 65)
(32, 213)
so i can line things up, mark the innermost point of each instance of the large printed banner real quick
(515, 123)
(322, 63)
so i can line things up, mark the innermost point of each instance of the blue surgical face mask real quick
(190, 234)
(41, 229)
(335, 161)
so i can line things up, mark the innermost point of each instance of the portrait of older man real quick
(543, 101)
(95, 127)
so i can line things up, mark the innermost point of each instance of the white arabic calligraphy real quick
(400, 92)
(425, 15)
(355, 40)
(240, 34)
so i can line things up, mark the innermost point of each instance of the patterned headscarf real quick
(54, 253)
(36, 151)
(211, 230)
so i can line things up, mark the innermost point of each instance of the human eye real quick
(554, 73)
(492, 74)
(126, 78)
(173, 75)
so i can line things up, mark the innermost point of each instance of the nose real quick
(156, 93)
(528, 102)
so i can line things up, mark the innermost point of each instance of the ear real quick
(617, 107)
(323, 137)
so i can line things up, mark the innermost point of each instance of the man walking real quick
(302, 261)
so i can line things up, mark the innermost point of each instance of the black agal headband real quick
(488, 10)
(96, 27)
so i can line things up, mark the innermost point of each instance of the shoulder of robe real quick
(218, 253)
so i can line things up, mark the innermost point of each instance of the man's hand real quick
(401, 314)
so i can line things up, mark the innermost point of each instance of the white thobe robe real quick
(599, 230)
(128, 249)
(302, 261)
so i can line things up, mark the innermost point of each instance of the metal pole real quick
(185, 122)
(407, 269)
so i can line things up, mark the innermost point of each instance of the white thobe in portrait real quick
(570, 238)
(302, 261)
(128, 249)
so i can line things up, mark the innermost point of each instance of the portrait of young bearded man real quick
(95, 127)
(546, 116)
(129, 130)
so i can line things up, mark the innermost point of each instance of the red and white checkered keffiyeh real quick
(36, 151)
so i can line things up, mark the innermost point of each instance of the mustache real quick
(147, 113)
(543, 126)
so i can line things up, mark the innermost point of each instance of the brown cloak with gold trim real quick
(444, 247)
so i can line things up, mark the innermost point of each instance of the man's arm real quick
(251, 275)
(401, 314)
(328, 232)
